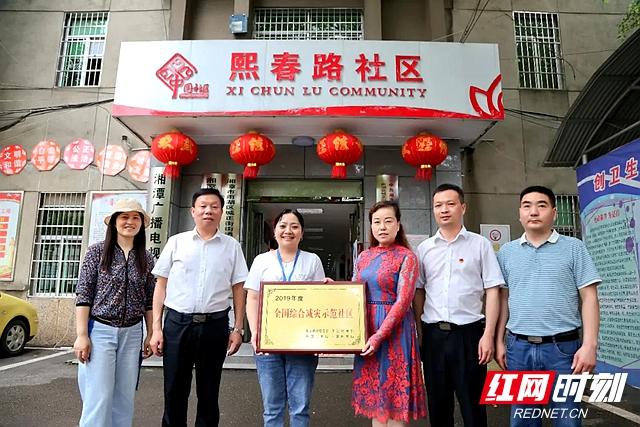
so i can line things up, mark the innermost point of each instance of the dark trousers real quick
(187, 344)
(451, 365)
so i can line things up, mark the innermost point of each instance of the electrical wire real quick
(532, 121)
(24, 113)
(476, 16)
(468, 26)
(535, 114)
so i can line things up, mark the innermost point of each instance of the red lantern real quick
(339, 149)
(425, 152)
(252, 150)
(175, 149)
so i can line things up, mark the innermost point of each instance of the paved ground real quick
(44, 393)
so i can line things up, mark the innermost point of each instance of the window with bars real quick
(538, 50)
(82, 49)
(568, 220)
(56, 250)
(308, 24)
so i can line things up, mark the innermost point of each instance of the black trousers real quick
(451, 365)
(187, 344)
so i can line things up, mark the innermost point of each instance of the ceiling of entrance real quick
(324, 233)
(281, 129)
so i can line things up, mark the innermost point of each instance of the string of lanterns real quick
(251, 150)
(77, 155)
(338, 148)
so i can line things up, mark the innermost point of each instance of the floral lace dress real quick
(389, 383)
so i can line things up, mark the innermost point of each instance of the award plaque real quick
(312, 317)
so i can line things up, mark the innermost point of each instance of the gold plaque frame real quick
(312, 317)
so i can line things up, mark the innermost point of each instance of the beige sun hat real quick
(128, 205)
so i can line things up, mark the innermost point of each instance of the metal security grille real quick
(56, 250)
(538, 50)
(568, 221)
(82, 49)
(308, 24)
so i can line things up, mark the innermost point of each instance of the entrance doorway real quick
(332, 214)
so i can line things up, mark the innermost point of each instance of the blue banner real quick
(609, 191)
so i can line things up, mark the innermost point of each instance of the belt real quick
(561, 337)
(448, 326)
(117, 323)
(200, 317)
(380, 302)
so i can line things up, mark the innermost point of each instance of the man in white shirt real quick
(457, 269)
(196, 274)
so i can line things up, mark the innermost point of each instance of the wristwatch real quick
(238, 330)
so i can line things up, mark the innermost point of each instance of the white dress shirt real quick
(200, 272)
(454, 275)
(266, 268)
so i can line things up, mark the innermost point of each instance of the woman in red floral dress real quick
(387, 378)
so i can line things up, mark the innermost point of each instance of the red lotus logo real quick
(491, 107)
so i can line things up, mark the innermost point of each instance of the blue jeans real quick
(286, 378)
(558, 356)
(108, 381)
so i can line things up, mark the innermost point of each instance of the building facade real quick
(58, 81)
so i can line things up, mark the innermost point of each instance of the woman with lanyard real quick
(283, 377)
(114, 294)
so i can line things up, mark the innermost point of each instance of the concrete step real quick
(245, 359)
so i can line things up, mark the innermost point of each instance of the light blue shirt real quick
(544, 283)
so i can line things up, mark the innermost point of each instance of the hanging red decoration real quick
(13, 158)
(425, 152)
(111, 160)
(175, 149)
(138, 166)
(339, 149)
(252, 150)
(45, 155)
(79, 154)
